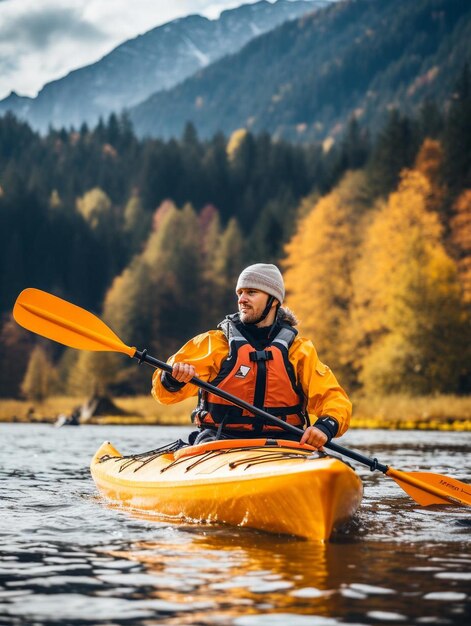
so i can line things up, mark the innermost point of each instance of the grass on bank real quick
(140, 409)
(443, 412)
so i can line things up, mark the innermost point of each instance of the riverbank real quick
(448, 413)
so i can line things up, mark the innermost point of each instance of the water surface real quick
(69, 558)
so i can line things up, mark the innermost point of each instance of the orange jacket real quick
(207, 352)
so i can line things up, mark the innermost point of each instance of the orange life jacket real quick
(264, 378)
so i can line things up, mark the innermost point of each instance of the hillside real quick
(156, 60)
(307, 78)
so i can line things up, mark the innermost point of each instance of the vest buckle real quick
(261, 355)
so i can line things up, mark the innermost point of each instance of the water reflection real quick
(269, 575)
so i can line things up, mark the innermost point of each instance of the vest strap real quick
(261, 355)
(220, 412)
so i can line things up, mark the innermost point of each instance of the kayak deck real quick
(275, 486)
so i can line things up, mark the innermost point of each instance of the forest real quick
(373, 234)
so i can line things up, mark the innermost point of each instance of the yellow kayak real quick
(275, 486)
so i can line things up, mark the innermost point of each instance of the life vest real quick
(264, 378)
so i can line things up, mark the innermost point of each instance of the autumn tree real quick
(408, 324)
(429, 162)
(319, 263)
(156, 299)
(209, 240)
(93, 373)
(95, 207)
(137, 223)
(39, 377)
(461, 240)
(128, 310)
(235, 141)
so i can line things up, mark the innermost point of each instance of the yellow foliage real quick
(461, 238)
(93, 373)
(235, 141)
(429, 159)
(174, 226)
(319, 262)
(55, 201)
(94, 206)
(39, 377)
(401, 231)
(407, 318)
(429, 163)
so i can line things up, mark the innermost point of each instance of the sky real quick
(44, 40)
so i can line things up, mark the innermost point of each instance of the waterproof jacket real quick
(209, 351)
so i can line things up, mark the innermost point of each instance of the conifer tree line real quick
(374, 235)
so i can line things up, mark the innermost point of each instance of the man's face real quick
(251, 304)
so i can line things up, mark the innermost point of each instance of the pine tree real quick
(395, 149)
(15, 350)
(273, 228)
(98, 211)
(457, 136)
(228, 262)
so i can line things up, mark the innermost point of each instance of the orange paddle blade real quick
(427, 488)
(66, 323)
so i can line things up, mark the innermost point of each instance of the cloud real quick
(43, 41)
(39, 42)
(38, 28)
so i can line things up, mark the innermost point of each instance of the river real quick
(69, 558)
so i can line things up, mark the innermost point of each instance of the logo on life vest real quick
(242, 371)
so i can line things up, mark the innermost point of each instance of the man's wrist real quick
(170, 383)
(327, 425)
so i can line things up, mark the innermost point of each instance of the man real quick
(257, 355)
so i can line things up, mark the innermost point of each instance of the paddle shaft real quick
(373, 464)
(61, 321)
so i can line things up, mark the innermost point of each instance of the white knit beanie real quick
(265, 277)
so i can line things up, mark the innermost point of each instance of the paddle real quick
(66, 323)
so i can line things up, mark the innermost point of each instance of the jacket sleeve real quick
(206, 352)
(324, 394)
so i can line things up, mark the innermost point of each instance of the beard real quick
(247, 316)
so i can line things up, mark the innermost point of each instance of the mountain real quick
(307, 78)
(156, 60)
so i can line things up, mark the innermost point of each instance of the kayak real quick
(272, 485)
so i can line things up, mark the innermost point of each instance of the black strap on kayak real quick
(144, 457)
(221, 426)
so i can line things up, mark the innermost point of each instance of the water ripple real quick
(68, 558)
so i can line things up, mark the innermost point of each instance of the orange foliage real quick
(429, 162)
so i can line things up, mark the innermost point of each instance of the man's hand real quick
(183, 372)
(314, 437)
